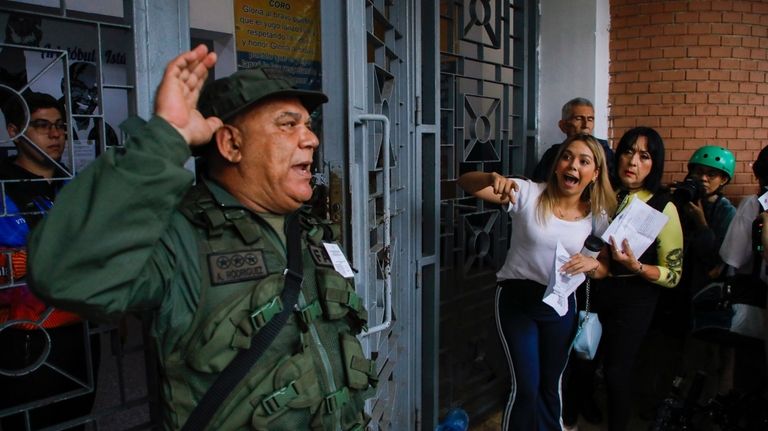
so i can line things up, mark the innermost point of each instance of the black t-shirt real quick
(31, 197)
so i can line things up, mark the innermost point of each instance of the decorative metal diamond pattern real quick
(483, 123)
(388, 78)
(478, 229)
(481, 127)
(482, 23)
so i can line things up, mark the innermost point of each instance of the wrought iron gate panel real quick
(381, 152)
(482, 101)
(59, 63)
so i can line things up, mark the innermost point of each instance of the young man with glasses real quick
(40, 141)
(41, 145)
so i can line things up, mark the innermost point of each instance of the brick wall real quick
(696, 71)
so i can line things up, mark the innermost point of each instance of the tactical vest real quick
(314, 375)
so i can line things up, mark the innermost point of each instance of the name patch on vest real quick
(320, 256)
(237, 266)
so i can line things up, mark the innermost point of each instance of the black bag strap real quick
(245, 360)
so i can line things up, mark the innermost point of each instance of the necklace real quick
(562, 214)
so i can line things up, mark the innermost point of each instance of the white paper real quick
(84, 151)
(561, 285)
(639, 223)
(338, 259)
(763, 199)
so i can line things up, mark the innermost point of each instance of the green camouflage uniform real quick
(131, 233)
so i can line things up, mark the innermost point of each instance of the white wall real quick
(212, 15)
(602, 57)
(215, 19)
(574, 57)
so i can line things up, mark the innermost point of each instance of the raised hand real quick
(504, 187)
(489, 186)
(177, 94)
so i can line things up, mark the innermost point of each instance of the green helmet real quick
(714, 157)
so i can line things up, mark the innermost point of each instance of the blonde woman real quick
(535, 337)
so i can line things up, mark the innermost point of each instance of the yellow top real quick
(669, 246)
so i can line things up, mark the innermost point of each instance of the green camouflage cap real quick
(227, 97)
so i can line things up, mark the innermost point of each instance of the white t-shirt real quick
(736, 249)
(532, 246)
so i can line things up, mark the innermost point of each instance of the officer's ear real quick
(229, 142)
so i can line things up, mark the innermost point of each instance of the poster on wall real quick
(61, 58)
(281, 36)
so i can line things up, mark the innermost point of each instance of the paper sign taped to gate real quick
(338, 259)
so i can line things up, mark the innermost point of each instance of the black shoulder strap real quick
(757, 258)
(659, 200)
(245, 360)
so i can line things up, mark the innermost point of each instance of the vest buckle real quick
(266, 312)
(309, 313)
(336, 400)
(280, 398)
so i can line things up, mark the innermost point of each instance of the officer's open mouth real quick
(304, 168)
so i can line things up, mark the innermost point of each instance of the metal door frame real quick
(347, 121)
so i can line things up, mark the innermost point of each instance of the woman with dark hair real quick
(535, 336)
(627, 300)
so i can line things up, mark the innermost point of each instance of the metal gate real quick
(487, 58)
(458, 70)
(87, 60)
(381, 158)
(375, 88)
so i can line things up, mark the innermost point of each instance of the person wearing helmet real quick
(705, 215)
(706, 220)
(254, 326)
